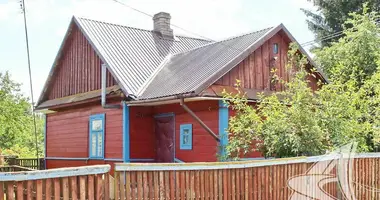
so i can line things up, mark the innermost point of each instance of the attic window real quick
(275, 48)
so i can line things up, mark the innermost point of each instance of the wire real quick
(326, 37)
(30, 76)
(149, 15)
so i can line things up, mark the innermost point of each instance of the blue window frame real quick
(275, 48)
(186, 136)
(96, 139)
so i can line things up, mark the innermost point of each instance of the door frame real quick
(168, 114)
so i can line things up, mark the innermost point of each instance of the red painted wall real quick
(78, 69)
(204, 145)
(68, 131)
(141, 131)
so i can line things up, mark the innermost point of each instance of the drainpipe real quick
(184, 106)
(104, 88)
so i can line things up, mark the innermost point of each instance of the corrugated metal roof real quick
(132, 54)
(193, 70)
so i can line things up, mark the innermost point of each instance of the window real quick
(275, 48)
(186, 136)
(96, 138)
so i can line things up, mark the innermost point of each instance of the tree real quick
(16, 130)
(331, 15)
(357, 55)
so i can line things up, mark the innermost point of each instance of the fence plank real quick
(57, 189)
(91, 185)
(74, 188)
(10, 190)
(29, 185)
(82, 187)
(65, 188)
(156, 185)
(139, 185)
(48, 184)
(106, 186)
(20, 190)
(145, 185)
(1, 189)
(127, 185)
(39, 189)
(99, 186)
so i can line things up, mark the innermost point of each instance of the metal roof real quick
(132, 54)
(194, 70)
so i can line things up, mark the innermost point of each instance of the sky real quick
(47, 21)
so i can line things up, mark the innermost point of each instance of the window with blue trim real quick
(96, 138)
(186, 136)
(275, 48)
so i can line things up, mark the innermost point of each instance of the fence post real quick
(2, 160)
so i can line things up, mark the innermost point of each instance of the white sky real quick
(48, 21)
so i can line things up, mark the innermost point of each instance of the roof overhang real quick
(86, 97)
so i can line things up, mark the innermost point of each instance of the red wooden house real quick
(122, 94)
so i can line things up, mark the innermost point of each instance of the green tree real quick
(331, 15)
(16, 119)
(357, 55)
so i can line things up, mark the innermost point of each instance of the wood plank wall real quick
(78, 69)
(254, 72)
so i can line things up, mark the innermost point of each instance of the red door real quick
(164, 129)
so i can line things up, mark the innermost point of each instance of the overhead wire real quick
(324, 38)
(22, 4)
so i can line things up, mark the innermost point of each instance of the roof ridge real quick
(224, 40)
(135, 28)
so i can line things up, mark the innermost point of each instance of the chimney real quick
(161, 24)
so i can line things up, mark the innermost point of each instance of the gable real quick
(77, 70)
(254, 72)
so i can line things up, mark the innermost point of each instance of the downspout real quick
(187, 109)
(104, 89)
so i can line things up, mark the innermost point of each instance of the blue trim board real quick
(223, 126)
(189, 144)
(126, 137)
(92, 132)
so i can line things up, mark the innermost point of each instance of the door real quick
(164, 130)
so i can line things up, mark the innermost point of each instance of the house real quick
(123, 94)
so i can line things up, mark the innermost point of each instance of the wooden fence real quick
(89, 182)
(258, 180)
(32, 163)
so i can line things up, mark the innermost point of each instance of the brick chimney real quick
(161, 25)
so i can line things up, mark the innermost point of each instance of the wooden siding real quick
(78, 69)
(141, 130)
(254, 71)
(204, 145)
(67, 132)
